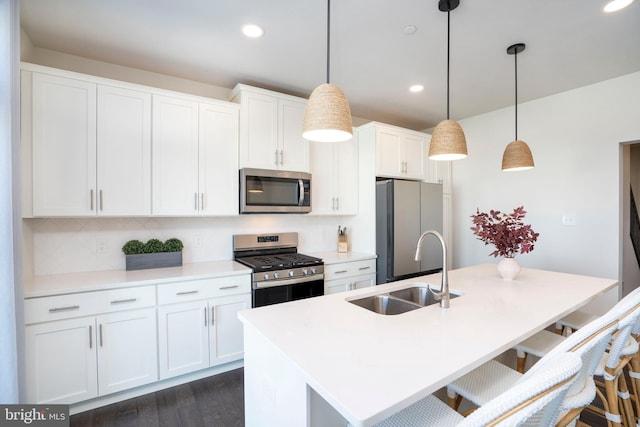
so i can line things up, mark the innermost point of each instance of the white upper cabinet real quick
(400, 153)
(124, 152)
(91, 148)
(334, 168)
(63, 146)
(195, 161)
(271, 130)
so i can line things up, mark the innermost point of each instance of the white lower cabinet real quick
(78, 359)
(200, 333)
(347, 276)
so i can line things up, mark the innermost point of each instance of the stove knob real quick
(313, 270)
(290, 273)
(266, 276)
(305, 271)
(276, 275)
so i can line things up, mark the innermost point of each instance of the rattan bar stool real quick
(533, 402)
(493, 378)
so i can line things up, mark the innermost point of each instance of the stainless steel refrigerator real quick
(404, 210)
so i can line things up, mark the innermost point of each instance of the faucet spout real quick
(443, 294)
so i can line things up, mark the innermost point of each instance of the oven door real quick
(291, 292)
(268, 191)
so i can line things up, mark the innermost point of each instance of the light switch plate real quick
(569, 219)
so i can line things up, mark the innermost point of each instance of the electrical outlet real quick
(101, 246)
(198, 242)
(569, 219)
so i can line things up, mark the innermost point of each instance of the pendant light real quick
(517, 156)
(327, 116)
(448, 141)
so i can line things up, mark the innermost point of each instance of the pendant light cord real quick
(328, 36)
(448, 55)
(516, 91)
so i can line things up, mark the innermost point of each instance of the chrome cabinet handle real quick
(186, 293)
(201, 201)
(228, 287)
(68, 308)
(364, 268)
(341, 271)
(100, 335)
(205, 317)
(195, 201)
(213, 316)
(91, 198)
(281, 157)
(100, 196)
(90, 336)
(276, 157)
(337, 203)
(123, 301)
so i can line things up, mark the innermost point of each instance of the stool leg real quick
(611, 392)
(625, 401)
(453, 399)
(634, 376)
(521, 360)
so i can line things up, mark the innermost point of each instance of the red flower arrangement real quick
(505, 231)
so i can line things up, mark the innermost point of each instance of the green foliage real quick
(172, 245)
(153, 246)
(133, 247)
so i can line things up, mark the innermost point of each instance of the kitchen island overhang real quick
(367, 366)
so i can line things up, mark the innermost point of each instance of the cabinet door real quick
(64, 146)
(127, 350)
(259, 131)
(364, 281)
(389, 161)
(175, 156)
(324, 172)
(218, 160)
(337, 286)
(124, 152)
(225, 331)
(347, 177)
(183, 341)
(294, 154)
(61, 361)
(414, 156)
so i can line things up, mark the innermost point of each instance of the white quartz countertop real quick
(57, 284)
(336, 257)
(368, 366)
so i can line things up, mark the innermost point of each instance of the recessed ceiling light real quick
(253, 31)
(416, 88)
(410, 29)
(615, 5)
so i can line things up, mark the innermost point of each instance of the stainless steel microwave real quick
(274, 191)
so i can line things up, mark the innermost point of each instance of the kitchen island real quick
(324, 361)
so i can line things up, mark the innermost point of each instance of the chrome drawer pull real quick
(228, 287)
(341, 271)
(186, 293)
(69, 308)
(122, 301)
(364, 268)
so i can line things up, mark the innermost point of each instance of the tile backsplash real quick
(68, 245)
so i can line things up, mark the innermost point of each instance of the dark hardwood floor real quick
(217, 401)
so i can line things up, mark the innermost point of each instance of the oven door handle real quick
(301, 191)
(284, 282)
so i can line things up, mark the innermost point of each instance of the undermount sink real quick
(400, 301)
(419, 295)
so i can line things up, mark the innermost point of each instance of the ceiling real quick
(570, 43)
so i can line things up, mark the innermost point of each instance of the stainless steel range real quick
(280, 273)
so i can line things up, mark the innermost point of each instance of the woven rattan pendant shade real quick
(448, 142)
(327, 117)
(517, 156)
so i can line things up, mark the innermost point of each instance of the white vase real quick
(508, 268)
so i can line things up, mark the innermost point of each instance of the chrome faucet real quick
(443, 295)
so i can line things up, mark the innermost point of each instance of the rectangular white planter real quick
(156, 260)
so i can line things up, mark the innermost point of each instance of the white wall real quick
(575, 138)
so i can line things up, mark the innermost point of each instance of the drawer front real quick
(349, 269)
(193, 290)
(58, 307)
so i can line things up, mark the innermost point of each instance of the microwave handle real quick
(301, 192)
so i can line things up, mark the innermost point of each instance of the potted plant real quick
(153, 254)
(508, 234)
